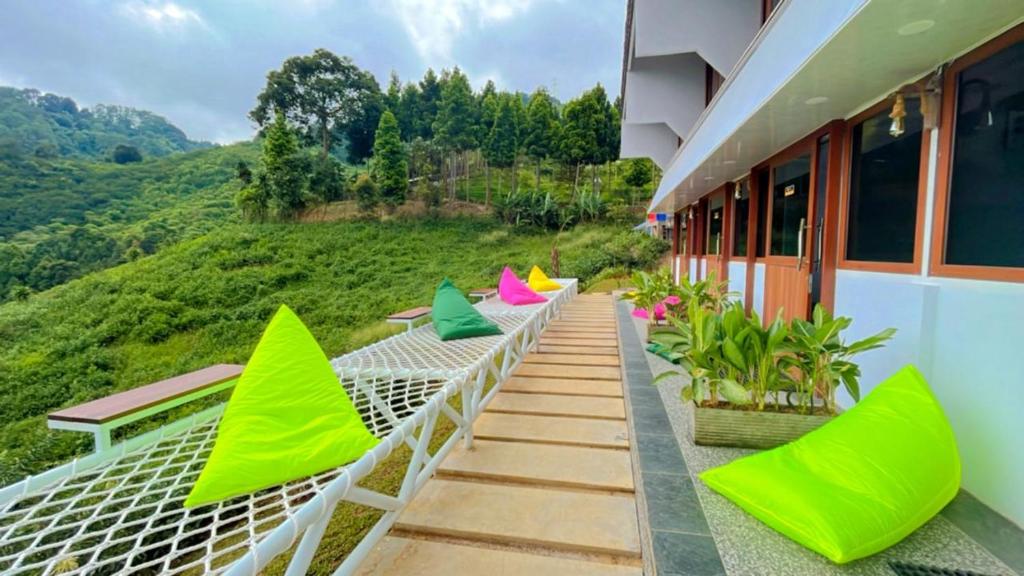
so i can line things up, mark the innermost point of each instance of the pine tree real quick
(455, 125)
(541, 129)
(580, 133)
(390, 164)
(393, 97)
(503, 141)
(285, 169)
(408, 109)
(430, 98)
(488, 111)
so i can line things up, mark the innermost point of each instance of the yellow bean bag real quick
(539, 281)
(858, 484)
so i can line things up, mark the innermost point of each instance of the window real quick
(791, 190)
(716, 216)
(741, 218)
(762, 212)
(985, 206)
(881, 222)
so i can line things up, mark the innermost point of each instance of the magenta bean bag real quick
(512, 290)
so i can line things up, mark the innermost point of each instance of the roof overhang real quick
(814, 62)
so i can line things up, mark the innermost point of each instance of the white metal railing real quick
(120, 508)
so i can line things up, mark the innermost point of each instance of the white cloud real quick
(433, 25)
(162, 15)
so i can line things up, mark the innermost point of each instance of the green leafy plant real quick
(649, 290)
(818, 352)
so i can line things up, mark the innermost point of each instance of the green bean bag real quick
(454, 317)
(288, 418)
(859, 484)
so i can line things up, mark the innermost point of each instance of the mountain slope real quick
(47, 125)
(60, 219)
(207, 301)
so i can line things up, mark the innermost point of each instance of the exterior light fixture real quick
(899, 112)
(815, 100)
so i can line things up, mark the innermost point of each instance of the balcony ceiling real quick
(863, 56)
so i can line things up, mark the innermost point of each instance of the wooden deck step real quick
(559, 405)
(578, 372)
(573, 359)
(549, 518)
(396, 555)
(584, 350)
(564, 340)
(564, 386)
(552, 430)
(543, 465)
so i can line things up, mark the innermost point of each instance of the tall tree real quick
(503, 141)
(430, 98)
(408, 109)
(580, 133)
(390, 163)
(455, 125)
(285, 169)
(393, 97)
(322, 94)
(488, 112)
(541, 132)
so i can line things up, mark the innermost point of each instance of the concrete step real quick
(555, 519)
(573, 359)
(552, 430)
(544, 465)
(565, 386)
(558, 405)
(585, 350)
(396, 556)
(578, 372)
(563, 340)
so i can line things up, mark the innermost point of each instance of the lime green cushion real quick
(287, 418)
(454, 317)
(859, 484)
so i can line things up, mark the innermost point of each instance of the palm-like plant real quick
(823, 359)
(649, 290)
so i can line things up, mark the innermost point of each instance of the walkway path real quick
(548, 487)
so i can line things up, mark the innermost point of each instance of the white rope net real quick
(126, 515)
(120, 511)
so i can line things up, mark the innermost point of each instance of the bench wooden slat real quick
(122, 404)
(411, 314)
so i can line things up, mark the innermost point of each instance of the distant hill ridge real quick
(34, 123)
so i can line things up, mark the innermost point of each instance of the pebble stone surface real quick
(749, 548)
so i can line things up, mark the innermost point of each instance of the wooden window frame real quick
(944, 168)
(914, 266)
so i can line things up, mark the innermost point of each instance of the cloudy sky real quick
(201, 63)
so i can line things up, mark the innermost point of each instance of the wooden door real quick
(790, 210)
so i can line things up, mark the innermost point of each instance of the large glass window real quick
(741, 218)
(715, 213)
(762, 212)
(986, 195)
(791, 190)
(884, 171)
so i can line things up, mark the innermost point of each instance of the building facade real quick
(867, 155)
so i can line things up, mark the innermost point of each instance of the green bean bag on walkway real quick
(859, 484)
(454, 317)
(288, 418)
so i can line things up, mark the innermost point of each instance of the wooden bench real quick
(102, 416)
(409, 317)
(483, 293)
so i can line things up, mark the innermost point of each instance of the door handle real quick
(800, 244)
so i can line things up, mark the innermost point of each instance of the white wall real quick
(667, 89)
(655, 141)
(738, 278)
(966, 338)
(693, 269)
(758, 303)
(718, 30)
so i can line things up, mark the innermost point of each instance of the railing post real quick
(300, 562)
(467, 410)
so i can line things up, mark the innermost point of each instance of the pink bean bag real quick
(512, 290)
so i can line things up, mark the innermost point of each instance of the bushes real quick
(207, 301)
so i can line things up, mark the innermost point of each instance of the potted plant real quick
(743, 376)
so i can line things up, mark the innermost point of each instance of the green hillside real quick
(42, 125)
(60, 218)
(207, 300)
